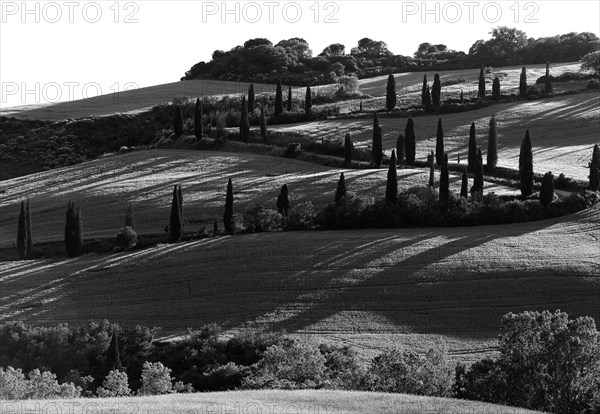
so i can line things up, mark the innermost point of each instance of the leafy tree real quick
(481, 89)
(400, 149)
(348, 148)
(335, 49)
(431, 160)
(391, 189)
(116, 384)
(595, 169)
(477, 189)
(523, 84)
(496, 89)
(390, 98)
(410, 141)
(424, 92)
(156, 379)
(244, 121)
(251, 98)
(591, 61)
(436, 91)
(439, 143)
(198, 124)
(289, 99)
(464, 188)
(263, 123)
(22, 233)
(472, 157)
(444, 181)
(341, 189)
(492, 151)
(283, 201)
(228, 215)
(308, 103)
(547, 81)
(377, 147)
(547, 191)
(278, 99)
(176, 221)
(526, 166)
(177, 121)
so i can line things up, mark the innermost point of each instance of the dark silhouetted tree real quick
(424, 91)
(308, 103)
(113, 355)
(431, 160)
(340, 192)
(390, 97)
(427, 99)
(436, 91)
(471, 158)
(22, 233)
(523, 84)
(401, 149)
(391, 189)
(177, 121)
(547, 191)
(377, 147)
(130, 217)
(278, 99)
(464, 188)
(176, 221)
(595, 169)
(496, 89)
(462, 97)
(29, 229)
(348, 149)
(481, 89)
(263, 123)
(439, 143)
(215, 228)
(526, 166)
(251, 99)
(410, 141)
(444, 181)
(198, 125)
(228, 214)
(492, 150)
(74, 231)
(244, 121)
(283, 201)
(289, 99)
(360, 108)
(477, 189)
(548, 81)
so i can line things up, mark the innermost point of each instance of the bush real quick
(127, 238)
(116, 384)
(259, 219)
(156, 379)
(593, 84)
(301, 217)
(39, 385)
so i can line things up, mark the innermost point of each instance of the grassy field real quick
(277, 402)
(563, 132)
(370, 288)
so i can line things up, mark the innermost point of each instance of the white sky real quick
(74, 57)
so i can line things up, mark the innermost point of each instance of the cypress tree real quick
(113, 355)
(308, 103)
(477, 189)
(595, 169)
(472, 156)
(547, 81)
(427, 99)
(22, 233)
(251, 98)
(177, 121)
(73, 231)
(180, 197)
(228, 214)
(341, 189)
(348, 149)
(439, 144)
(390, 97)
(462, 97)
(424, 91)
(289, 99)
(410, 141)
(547, 191)
(130, 217)
(360, 106)
(436, 91)
(481, 90)
(215, 228)
(523, 84)
(496, 89)
(263, 123)
(175, 223)
(444, 181)
(283, 201)
(431, 161)
(526, 166)
(29, 227)
(244, 122)
(377, 147)
(400, 149)
(391, 189)
(198, 125)
(492, 151)
(464, 188)
(278, 99)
